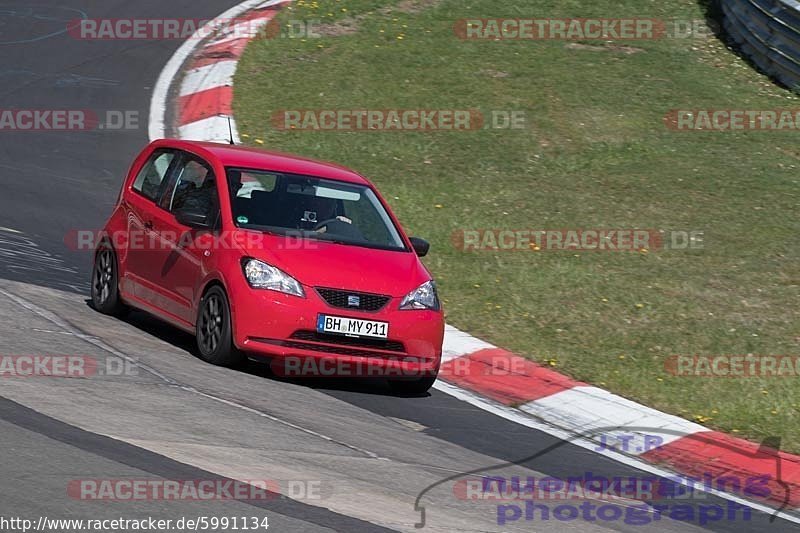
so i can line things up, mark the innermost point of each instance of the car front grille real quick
(348, 299)
(375, 344)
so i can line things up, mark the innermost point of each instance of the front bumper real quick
(283, 328)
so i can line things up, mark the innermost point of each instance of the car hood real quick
(339, 266)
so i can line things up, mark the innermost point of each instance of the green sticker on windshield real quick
(242, 220)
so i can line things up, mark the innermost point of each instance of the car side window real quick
(249, 182)
(150, 178)
(193, 188)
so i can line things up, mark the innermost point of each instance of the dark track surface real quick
(56, 182)
(37, 436)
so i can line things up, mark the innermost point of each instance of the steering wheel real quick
(324, 223)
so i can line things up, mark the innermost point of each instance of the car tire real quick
(105, 283)
(214, 333)
(412, 387)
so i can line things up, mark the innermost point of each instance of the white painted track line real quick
(582, 409)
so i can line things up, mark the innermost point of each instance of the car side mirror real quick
(421, 246)
(193, 218)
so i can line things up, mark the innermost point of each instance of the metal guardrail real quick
(768, 32)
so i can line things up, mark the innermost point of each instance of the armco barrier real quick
(768, 32)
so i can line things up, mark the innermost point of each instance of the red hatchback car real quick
(265, 254)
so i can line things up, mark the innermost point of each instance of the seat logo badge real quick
(353, 301)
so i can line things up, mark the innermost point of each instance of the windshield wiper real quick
(362, 244)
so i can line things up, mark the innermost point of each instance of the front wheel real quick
(412, 387)
(105, 283)
(214, 332)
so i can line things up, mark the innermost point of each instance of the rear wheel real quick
(105, 283)
(414, 386)
(214, 332)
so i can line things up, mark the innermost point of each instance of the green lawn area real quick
(595, 154)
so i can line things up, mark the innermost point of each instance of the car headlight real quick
(423, 297)
(260, 275)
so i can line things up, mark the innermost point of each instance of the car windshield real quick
(315, 208)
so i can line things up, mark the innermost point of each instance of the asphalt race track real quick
(369, 453)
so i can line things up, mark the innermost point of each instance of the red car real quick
(264, 254)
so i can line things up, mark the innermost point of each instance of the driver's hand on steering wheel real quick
(323, 229)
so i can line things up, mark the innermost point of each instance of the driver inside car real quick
(319, 211)
(322, 215)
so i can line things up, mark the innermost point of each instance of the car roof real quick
(257, 159)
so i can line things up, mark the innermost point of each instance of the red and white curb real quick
(205, 92)
(630, 428)
(491, 378)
